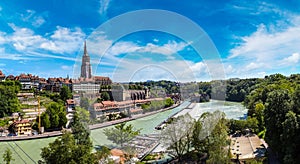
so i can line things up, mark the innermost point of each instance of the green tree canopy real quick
(64, 150)
(105, 96)
(9, 102)
(84, 103)
(121, 133)
(169, 102)
(54, 116)
(278, 104)
(102, 155)
(217, 141)
(81, 131)
(7, 156)
(83, 114)
(45, 122)
(177, 135)
(65, 93)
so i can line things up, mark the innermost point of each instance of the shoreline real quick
(91, 127)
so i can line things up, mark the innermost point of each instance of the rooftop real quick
(248, 147)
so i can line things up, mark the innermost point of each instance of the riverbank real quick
(110, 123)
(163, 123)
(91, 127)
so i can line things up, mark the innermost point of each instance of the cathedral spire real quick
(85, 51)
(86, 64)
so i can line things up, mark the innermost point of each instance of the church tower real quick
(86, 65)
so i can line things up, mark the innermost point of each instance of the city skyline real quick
(47, 39)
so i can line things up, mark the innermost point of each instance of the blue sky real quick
(46, 38)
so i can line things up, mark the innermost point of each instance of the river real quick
(28, 151)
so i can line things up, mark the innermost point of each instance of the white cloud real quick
(261, 74)
(34, 54)
(14, 57)
(23, 38)
(32, 17)
(123, 48)
(269, 47)
(104, 4)
(64, 40)
(2, 50)
(67, 68)
(126, 47)
(146, 69)
(156, 40)
(38, 21)
(104, 53)
(99, 45)
(176, 70)
(169, 48)
(199, 67)
(229, 69)
(253, 66)
(291, 60)
(254, 8)
(143, 68)
(2, 37)
(24, 44)
(264, 46)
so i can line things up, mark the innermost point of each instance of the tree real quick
(259, 115)
(177, 136)
(84, 103)
(60, 151)
(55, 114)
(290, 137)
(169, 102)
(105, 96)
(65, 93)
(81, 131)
(278, 104)
(201, 130)
(83, 114)
(45, 122)
(9, 102)
(252, 123)
(64, 150)
(7, 156)
(62, 119)
(217, 142)
(54, 121)
(102, 155)
(121, 133)
(196, 141)
(296, 100)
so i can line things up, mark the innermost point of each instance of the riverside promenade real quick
(91, 127)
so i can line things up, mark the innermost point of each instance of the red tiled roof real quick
(116, 152)
(101, 78)
(105, 104)
(10, 77)
(136, 110)
(2, 74)
(70, 101)
(21, 121)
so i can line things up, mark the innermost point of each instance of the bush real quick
(169, 102)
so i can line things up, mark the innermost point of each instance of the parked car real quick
(11, 134)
